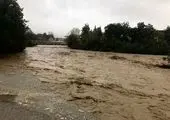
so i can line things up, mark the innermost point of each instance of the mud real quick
(83, 85)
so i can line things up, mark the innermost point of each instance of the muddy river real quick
(55, 82)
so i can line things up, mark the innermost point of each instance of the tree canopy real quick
(13, 27)
(120, 37)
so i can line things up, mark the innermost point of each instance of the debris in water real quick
(7, 97)
(81, 111)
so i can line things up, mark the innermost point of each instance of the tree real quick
(30, 38)
(73, 39)
(114, 34)
(167, 35)
(95, 39)
(85, 36)
(120, 37)
(167, 38)
(30, 35)
(51, 35)
(75, 31)
(13, 27)
(146, 39)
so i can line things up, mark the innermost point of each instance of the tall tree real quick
(114, 34)
(167, 38)
(167, 35)
(75, 31)
(85, 36)
(96, 39)
(73, 39)
(12, 27)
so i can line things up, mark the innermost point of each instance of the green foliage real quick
(30, 38)
(44, 36)
(85, 37)
(120, 37)
(115, 34)
(167, 35)
(73, 40)
(96, 39)
(12, 27)
(167, 38)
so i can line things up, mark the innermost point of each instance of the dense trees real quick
(167, 38)
(73, 38)
(96, 39)
(12, 27)
(30, 38)
(120, 37)
(45, 36)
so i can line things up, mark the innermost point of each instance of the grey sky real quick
(60, 16)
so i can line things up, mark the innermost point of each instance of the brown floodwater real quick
(75, 84)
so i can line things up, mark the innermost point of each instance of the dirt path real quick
(72, 84)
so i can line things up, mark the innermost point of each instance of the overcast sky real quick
(60, 16)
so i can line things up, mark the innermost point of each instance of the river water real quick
(61, 83)
(27, 86)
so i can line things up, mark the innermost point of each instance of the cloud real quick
(59, 16)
